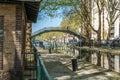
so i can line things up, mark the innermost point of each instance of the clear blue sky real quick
(46, 22)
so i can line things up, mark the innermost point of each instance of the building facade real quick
(15, 30)
(115, 30)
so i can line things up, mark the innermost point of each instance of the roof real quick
(31, 7)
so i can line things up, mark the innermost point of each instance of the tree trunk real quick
(99, 59)
(99, 30)
(99, 39)
(110, 26)
(88, 32)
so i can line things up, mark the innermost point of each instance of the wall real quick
(104, 60)
(9, 13)
(13, 37)
(28, 38)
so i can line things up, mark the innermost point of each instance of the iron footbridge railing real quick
(42, 73)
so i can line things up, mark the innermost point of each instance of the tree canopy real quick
(78, 14)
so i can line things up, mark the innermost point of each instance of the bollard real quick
(50, 50)
(74, 65)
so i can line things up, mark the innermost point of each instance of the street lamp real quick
(54, 41)
(64, 38)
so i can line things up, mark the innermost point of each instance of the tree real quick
(85, 16)
(100, 6)
(79, 8)
(52, 7)
(79, 17)
(113, 10)
(50, 35)
(71, 23)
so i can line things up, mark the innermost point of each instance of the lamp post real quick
(54, 42)
(64, 42)
(64, 38)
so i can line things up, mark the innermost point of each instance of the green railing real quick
(42, 73)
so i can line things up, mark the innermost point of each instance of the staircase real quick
(30, 66)
(34, 68)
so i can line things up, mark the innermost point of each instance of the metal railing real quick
(42, 73)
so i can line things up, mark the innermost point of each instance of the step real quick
(30, 68)
(32, 79)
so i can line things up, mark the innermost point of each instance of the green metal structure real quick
(57, 29)
(42, 73)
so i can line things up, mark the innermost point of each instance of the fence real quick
(35, 66)
(42, 73)
(105, 60)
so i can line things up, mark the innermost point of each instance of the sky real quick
(46, 22)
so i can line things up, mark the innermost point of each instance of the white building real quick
(115, 31)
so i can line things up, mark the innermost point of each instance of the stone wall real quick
(28, 38)
(108, 61)
(105, 60)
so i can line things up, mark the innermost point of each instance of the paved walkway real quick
(59, 68)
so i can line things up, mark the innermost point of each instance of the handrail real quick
(42, 73)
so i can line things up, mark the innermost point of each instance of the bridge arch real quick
(46, 30)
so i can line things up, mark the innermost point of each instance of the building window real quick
(18, 18)
(112, 31)
(1, 40)
(18, 39)
(112, 35)
(112, 28)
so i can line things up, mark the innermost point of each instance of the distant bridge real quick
(57, 29)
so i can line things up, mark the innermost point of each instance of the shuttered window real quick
(1, 40)
(18, 38)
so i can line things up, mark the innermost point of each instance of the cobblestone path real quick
(59, 67)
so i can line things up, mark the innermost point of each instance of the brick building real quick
(15, 31)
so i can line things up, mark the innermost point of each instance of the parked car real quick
(104, 43)
(39, 44)
(47, 46)
(116, 42)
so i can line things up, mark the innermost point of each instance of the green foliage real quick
(50, 35)
(76, 13)
(72, 22)
(79, 17)
(52, 7)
